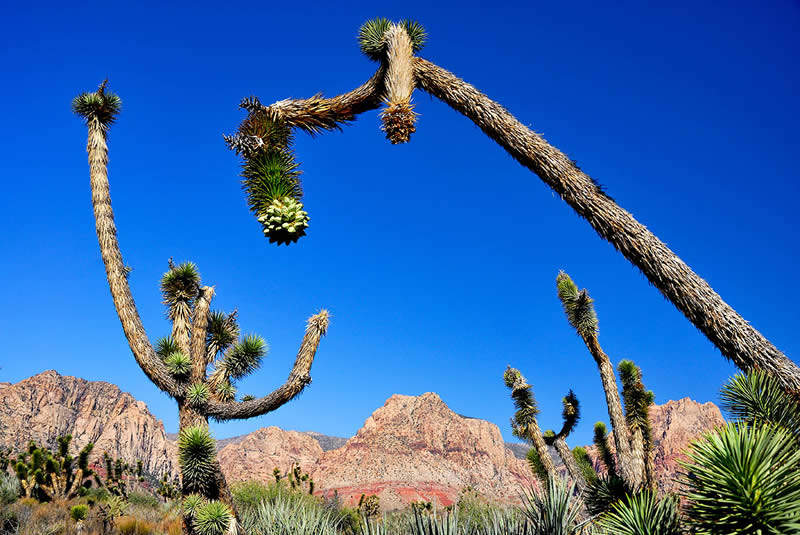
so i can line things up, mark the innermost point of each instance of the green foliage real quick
(223, 330)
(424, 524)
(197, 394)
(169, 490)
(553, 509)
(79, 512)
(9, 488)
(248, 397)
(226, 391)
(642, 513)
(570, 414)
(524, 402)
(166, 346)
(196, 456)
(289, 513)
(369, 506)
(212, 518)
(744, 479)
(47, 475)
(178, 364)
(757, 397)
(180, 284)
(584, 463)
(603, 492)
(577, 306)
(535, 462)
(191, 504)
(637, 400)
(101, 106)
(601, 443)
(245, 357)
(371, 37)
(144, 500)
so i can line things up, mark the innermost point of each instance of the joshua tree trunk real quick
(629, 463)
(535, 436)
(569, 461)
(724, 327)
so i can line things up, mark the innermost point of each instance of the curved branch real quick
(298, 378)
(132, 325)
(722, 325)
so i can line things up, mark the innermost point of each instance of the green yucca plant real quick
(244, 357)
(642, 514)
(577, 305)
(603, 492)
(180, 285)
(191, 504)
(601, 443)
(212, 518)
(553, 509)
(100, 107)
(178, 364)
(166, 346)
(744, 479)
(197, 394)
(757, 397)
(371, 36)
(197, 456)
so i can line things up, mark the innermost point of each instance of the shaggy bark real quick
(724, 327)
(569, 461)
(536, 438)
(140, 345)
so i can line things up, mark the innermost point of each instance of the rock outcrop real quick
(49, 405)
(257, 455)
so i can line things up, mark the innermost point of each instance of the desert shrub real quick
(642, 513)
(212, 518)
(130, 525)
(143, 499)
(285, 514)
(250, 494)
(9, 489)
(79, 512)
(744, 479)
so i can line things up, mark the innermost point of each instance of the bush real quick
(144, 499)
(129, 525)
(79, 512)
(9, 489)
(744, 479)
(285, 514)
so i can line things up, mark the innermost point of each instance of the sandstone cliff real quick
(256, 455)
(49, 405)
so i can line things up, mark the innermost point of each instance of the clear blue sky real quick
(687, 113)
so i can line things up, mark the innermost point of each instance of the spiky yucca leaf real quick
(284, 221)
(584, 463)
(165, 346)
(758, 397)
(261, 131)
(570, 414)
(248, 397)
(245, 357)
(552, 510)
(577, 306)
(213, 518)
(100, 106)
(196, 455)
(642, 513)
(372, 33)
(524, 400)
(223, 330)
(601, 443)
(271, 175)
(744, 479)
(602, 493)
(180, 284)
(191, 504)
(178, 364)
(637, 400)
(226, 391)
(197, 394)
(536, 466)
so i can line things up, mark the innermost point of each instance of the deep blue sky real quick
(437, 259)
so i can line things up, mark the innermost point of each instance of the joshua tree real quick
(525, 426)
(581, 315)
(400, 70)
(180, 366)
(47, 475)
(637, 416)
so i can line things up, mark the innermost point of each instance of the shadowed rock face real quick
(49, 405)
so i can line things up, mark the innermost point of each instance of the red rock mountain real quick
(49, 405)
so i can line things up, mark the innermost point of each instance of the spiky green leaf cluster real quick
(226, 391)
(642, 513)
(284, 221)
(524, 402)
(584, 463)
(165, 346)
(744, 479)
(371, 36)
(570, 414)
(601, 443)
(270, 175)
(637, 400)
(223, 330)
(577, 306)
(196, 456)
(180, 285)
(191, 504)
(552, 510)
(602, 493)
(245, 357)
(197, 394)
(757, 397)
(536, 466)
(100, 106)
(79, 512)
(248, 397)
(178, 364)
(213, 518)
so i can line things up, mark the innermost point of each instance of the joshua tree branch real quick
(132, 325)
(199, 330)
(298, 378)
(724, 327)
